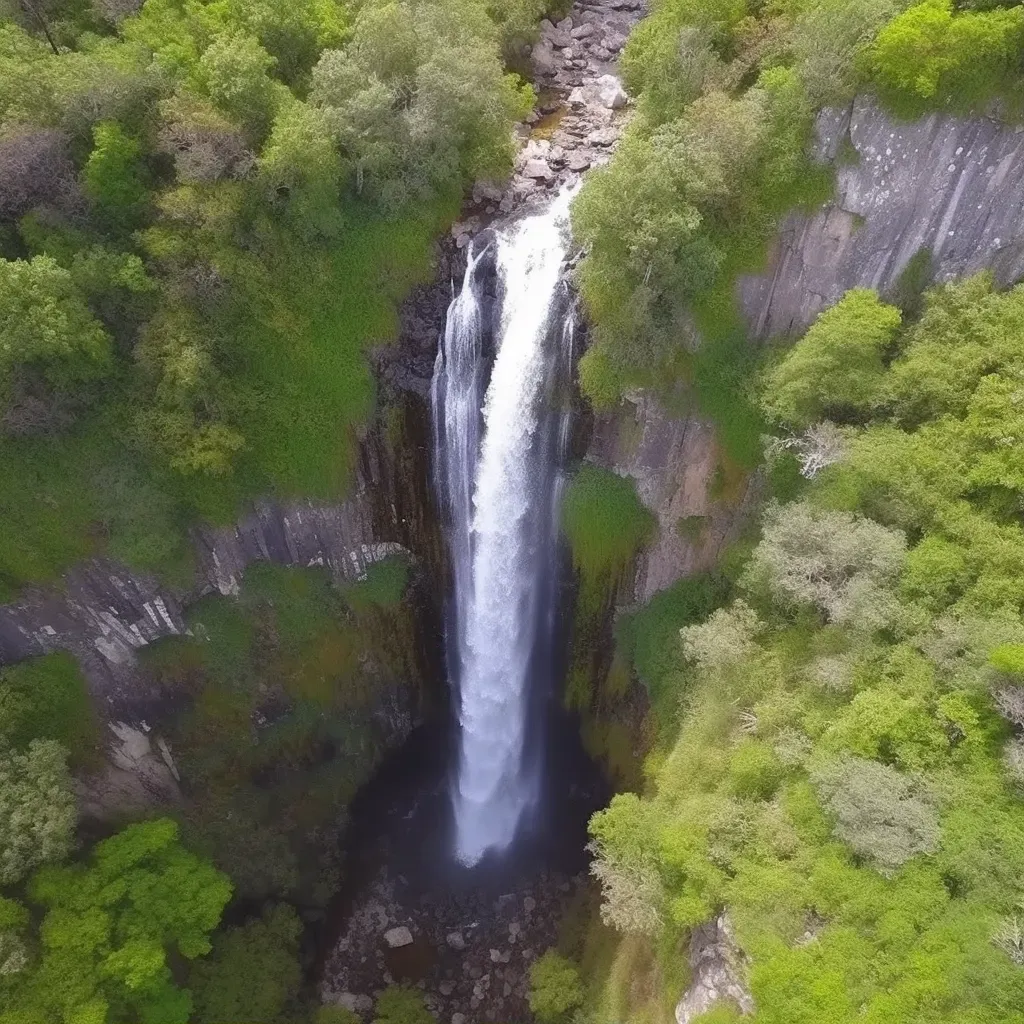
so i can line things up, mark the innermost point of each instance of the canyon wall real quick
(950, 187)
(104, 613)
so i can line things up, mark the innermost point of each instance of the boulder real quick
(610, 92)
(397, 937)
(603, 137)
(455, 940)
(545, 61)
(538, 169)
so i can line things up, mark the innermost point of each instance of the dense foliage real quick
(604, 521)
(845, 778)
(109, 928)
(274, 728)
(719, 150)
(207, 213)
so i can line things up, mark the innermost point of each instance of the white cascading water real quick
(501, 494)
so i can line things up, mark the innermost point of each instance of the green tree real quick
(302, 170)
(844, 346)
(556, 988)
(931, 53)
(252, 973)
(46, 698)
(883, 815)
(111, 924)
(37, 808)
(114, 177)
(45, 323)
(842, 564)
(234, 73)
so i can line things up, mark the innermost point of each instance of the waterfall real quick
(500, 492)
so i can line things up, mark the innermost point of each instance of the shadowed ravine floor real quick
(475, 931)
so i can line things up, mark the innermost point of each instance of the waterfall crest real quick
(500, 493)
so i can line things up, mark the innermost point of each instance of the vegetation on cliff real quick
(844, 779)
(719, 150)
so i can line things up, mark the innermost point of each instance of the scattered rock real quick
(397, 937)
(603, 137)
(538, 169)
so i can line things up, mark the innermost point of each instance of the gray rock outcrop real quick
(951, 186)
(107, 612)
(672, 461)
(717, 968)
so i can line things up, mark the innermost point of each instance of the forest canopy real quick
(845, 770)
(208, 212)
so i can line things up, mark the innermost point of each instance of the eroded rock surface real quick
(673, 460)
(717, 967)
(948, 185)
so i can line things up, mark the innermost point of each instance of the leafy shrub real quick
(883, 815)
(604, 521)
(844, 346)
(383, 585)
(37, 808)
(555, 988)
(46, 698)
(336, 1015)
(625, 863)
(755, 771)
(252, 972)
(725, 639)
(839, 563)
(397, 1005)
(929, 52)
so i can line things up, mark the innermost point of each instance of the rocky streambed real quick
(580, 114)
(469, 952)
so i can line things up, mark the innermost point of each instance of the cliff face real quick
(948, 186)
(674, 461)
(945, 185)
(105, 613)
